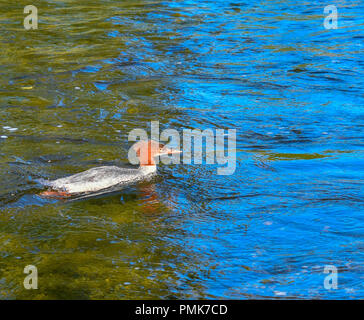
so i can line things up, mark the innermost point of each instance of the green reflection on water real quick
(74, 91)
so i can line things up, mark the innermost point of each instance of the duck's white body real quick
(100, 178)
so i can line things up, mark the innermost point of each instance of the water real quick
(71, 91)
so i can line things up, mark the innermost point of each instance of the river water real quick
(72, 90)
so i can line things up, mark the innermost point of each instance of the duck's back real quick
(96, 179)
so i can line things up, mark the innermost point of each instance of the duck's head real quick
(148, 150)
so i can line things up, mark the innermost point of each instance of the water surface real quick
(71, 91)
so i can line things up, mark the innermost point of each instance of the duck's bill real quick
(175, 151)
(171, 151)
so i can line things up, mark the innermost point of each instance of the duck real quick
(102, 178)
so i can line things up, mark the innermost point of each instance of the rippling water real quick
(71, 91)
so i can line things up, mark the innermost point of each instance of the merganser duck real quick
(100, 178)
